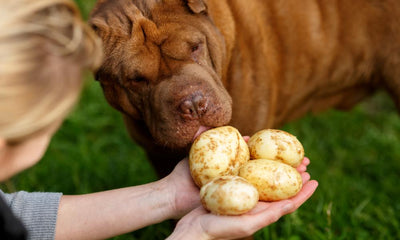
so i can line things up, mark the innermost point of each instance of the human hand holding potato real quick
(201, 224)
(218, 152)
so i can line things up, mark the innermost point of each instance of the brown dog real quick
(176, 67)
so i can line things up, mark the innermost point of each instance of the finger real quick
(305, 193)
(301, 168)
(184, 163)
(200, 210)
(260, 207)
(268, 213)
(306, 161)
(305, 176)
(265, 214)
(246, 138)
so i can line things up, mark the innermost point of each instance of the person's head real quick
(44, 48)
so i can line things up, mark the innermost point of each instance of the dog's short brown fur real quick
(173, 66)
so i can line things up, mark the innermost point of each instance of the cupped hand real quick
(200, 224)
(185, 193)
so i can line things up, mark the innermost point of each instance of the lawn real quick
(354, 155)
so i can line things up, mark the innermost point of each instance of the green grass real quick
(356, 158)
(354, 155)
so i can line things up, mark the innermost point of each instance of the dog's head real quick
(163, 66)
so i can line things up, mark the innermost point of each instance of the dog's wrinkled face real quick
(163, 66)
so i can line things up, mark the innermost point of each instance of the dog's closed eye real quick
(137, 79)
(195, 47)
(196, 50)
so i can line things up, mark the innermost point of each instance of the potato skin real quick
(276, 145)
(229, 195)
(217, 152)
(273, 180)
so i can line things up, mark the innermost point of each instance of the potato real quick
(276, 145)
(229, 195)
(274, 180)
(217, 152)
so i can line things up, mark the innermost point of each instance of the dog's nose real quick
(194, 108)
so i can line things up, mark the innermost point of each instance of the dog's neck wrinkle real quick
(146, 7)
(221, 14)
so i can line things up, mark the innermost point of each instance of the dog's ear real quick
(197, 6)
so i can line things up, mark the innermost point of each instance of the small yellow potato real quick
(228, 195)
(217, 152)
(276, 145)
(274, 180)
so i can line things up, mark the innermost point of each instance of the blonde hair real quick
(44, 48)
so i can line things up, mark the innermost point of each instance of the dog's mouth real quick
(184, 106)
(200, 131)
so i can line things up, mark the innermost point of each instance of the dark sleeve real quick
(36, 210)
(10, 226)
